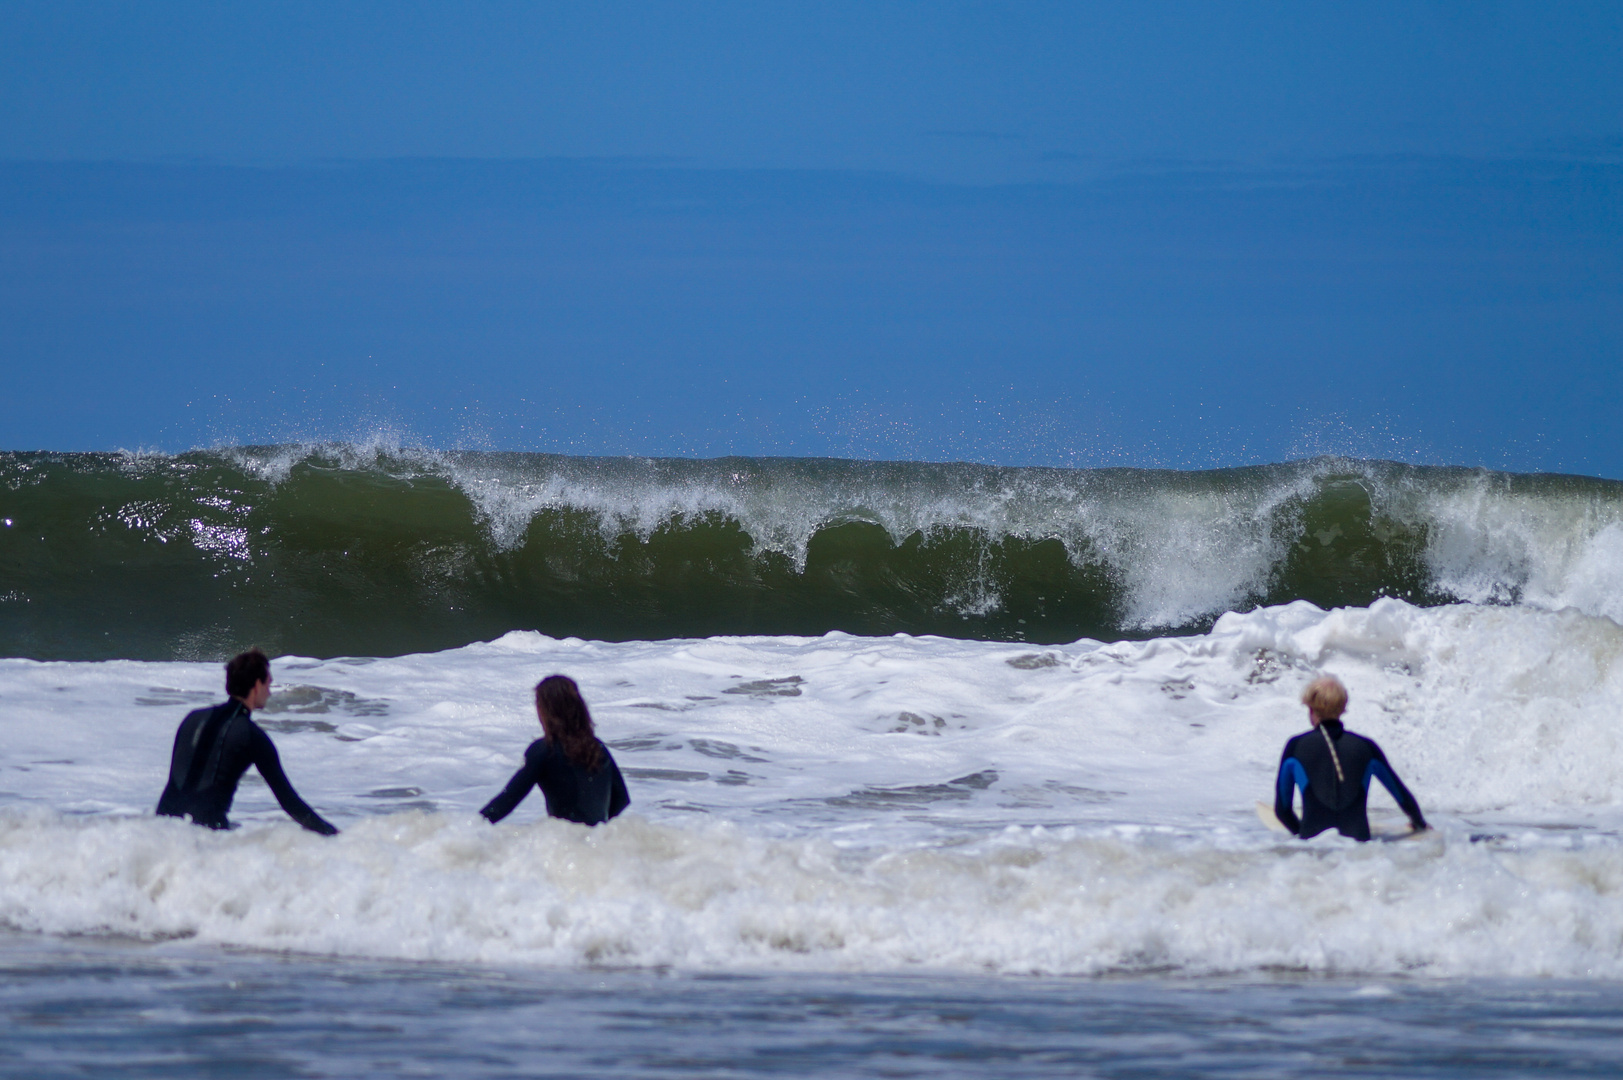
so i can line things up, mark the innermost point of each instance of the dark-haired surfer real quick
(574, 771)
(1332, 767)
(215, 746)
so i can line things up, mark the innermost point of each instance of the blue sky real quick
(1146, 234)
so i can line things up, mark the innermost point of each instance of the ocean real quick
(935, 768)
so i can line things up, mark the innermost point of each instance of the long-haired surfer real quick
(215, 746)
(1332, 768)
(575, 772)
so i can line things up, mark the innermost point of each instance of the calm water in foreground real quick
(91, 1007)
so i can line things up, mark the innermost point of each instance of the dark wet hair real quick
(244, 671)
(566, 721)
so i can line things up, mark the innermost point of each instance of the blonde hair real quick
(1326, 696)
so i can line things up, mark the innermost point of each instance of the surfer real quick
(215, 746)
(1333, 767)
(576, 772)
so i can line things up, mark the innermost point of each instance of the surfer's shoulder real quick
(200, 714)
(1347, 734)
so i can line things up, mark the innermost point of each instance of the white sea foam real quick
(437, 886)
(843, 802)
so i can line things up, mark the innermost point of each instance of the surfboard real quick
(1389, 835)
(1266, 814)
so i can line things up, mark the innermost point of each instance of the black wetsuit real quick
(572, 793)
(1335, 784)
(213, 748)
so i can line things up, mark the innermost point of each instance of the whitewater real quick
(866, 804)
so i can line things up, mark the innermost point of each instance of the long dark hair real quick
(566, 722)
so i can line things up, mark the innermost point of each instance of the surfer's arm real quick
(168, 800)
(1291, 777)
(1379, 770)
(269, 764)
(515, 791)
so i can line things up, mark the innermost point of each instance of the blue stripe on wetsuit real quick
(1377, 769)
(1291, 774)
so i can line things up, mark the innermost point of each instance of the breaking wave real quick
(340, 549)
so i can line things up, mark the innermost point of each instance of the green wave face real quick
(339, 550)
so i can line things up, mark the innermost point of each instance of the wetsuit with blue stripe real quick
(213, 748)
(1332, 768)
